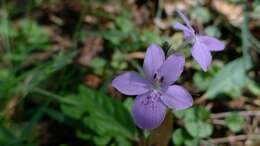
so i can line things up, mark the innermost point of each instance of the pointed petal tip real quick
(212, 43)
(202, 55)
(185, 19)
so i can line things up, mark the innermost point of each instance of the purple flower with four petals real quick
(155, 92)
(202, 44)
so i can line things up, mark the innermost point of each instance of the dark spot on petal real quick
(154, 76)
(161, 79)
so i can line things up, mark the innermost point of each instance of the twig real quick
(232, 138)
(242, 113)
(135, 55)
(218, 122)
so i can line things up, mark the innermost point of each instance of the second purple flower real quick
(202, 44)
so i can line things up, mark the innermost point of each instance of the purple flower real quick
(202, 44)
(155, 91)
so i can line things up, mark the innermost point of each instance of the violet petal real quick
(202, 55)
(185, 19)
(131, 83)
(177, 98)
(212, 43)
(172, 68)
(153, 59)
(187, 31)
(148, 113)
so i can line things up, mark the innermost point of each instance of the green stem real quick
(245, 39)
(181, 46)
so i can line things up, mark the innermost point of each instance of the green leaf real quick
(33, 32)
(102, 114)
(121, 141)
(128, 103)
(118, 61)
(202, 80)
(124, 23)
(199, 129)
(98, 65)
(195, 122)
(178, 137)
(151, 37)
(42, 72)
(213, 31)
(253, 86)
(235, 122)
(230, 79)
(101, 140)
(192, 142)
(202, 14)
(193, 114)
(7, 29)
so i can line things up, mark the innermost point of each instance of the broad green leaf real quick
(192, 142)
(199, 129)
(230, 79)
(235, 122)
(193, 114)
(7, 29)
(8, 137)
(98, 65)
(253, 86)
(101, 140)
(124, 23)
(118, 61)
(178, 137)
(202, 14)
(128, 103)
(195, 122)
(33, 33)
(121, 141)
(102, 113)
(44, 71)
(213, 31)
(202, 80)
(151, 37)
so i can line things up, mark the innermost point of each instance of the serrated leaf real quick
(104, 114)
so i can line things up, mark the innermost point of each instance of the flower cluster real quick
(156, 91)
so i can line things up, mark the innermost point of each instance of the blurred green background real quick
(58, 58)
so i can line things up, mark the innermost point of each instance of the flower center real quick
(157, 81)
(152, 98)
